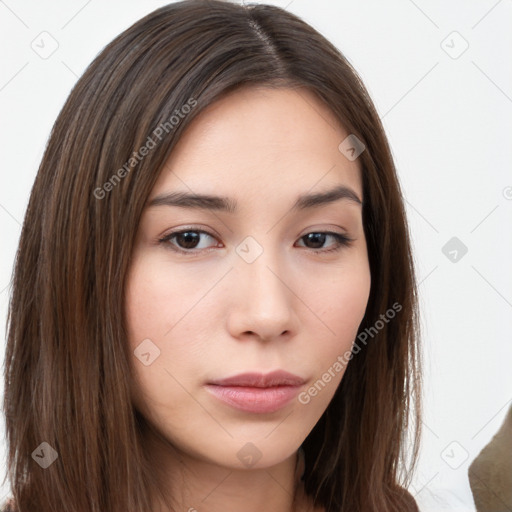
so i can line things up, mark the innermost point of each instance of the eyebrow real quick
(229, 205)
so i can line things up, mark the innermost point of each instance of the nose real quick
(263, 303)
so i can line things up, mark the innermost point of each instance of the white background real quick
(449, 124)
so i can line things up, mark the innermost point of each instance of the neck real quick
(194, 484)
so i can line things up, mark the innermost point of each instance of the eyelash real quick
(342, 241)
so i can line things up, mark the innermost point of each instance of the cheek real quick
(347, 305)
(145, 290)
(156, 313)
(341, 311)
(154, 301)
(144, 306)
(343, 301)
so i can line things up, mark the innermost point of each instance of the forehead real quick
(258, 140)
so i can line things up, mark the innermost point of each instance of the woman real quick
(271, 363)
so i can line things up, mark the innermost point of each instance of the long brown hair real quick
(67, 364)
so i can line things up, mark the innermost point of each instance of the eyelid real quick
(188, 227)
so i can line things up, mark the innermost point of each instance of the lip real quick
(257, 392)
(260, 380)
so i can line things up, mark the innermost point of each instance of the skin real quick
(213, 315)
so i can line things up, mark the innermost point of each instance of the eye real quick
(318, 238)
(187, 241)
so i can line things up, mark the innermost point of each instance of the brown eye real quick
(185, 240)
(318, 238)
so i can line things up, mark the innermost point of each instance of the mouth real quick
(256, 392)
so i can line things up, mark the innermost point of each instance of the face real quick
(258, 281)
